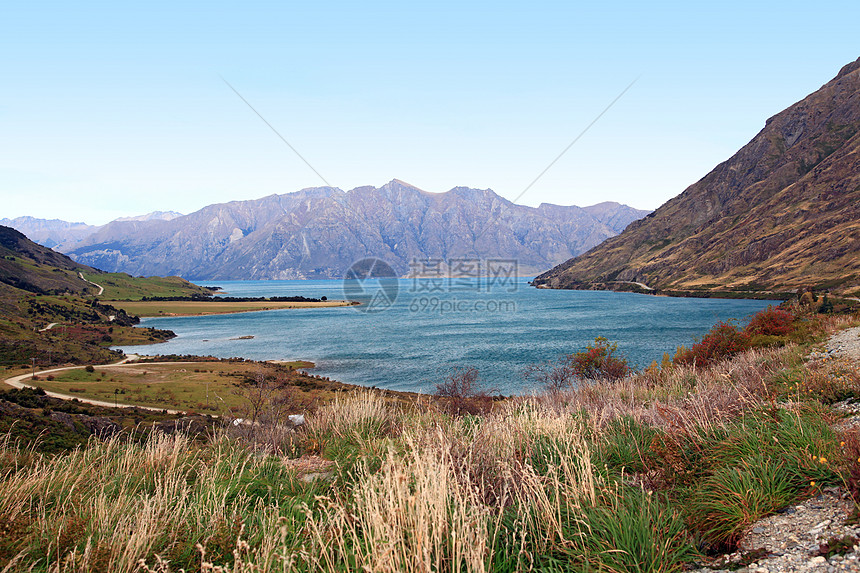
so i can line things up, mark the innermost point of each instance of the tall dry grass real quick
(436, 504)
(111, 504)
(685, 398)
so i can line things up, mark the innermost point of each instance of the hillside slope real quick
(41, 289)
(782, 213)
(31, 267)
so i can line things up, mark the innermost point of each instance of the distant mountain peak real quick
(153, 216)
(402, 183)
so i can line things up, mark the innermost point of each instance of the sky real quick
(115, 109)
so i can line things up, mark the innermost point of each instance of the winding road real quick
(18, 382)
(100, 287)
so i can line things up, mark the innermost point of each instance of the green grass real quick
(629, 531)
(120, 286)
(735, 496)
(624, 446)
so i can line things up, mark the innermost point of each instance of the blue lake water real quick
(422, 336)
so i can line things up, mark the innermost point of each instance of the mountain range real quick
(319, 232)
(783, 213)
(59, 234)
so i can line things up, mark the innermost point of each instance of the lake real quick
(413, 340)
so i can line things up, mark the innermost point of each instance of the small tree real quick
(553, 376)
(268, 404)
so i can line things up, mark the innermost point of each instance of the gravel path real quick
(101, 288)
(846, 343)
(792, 539)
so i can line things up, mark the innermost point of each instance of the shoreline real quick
(673, 293)
(156, 309)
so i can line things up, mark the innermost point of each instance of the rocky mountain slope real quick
(320, 232)
(51, 233)
(782, 213)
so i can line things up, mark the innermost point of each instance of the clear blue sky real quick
(108, 110)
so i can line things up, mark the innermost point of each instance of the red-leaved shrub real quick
(771, 322)
(723, 340)
(598, 362)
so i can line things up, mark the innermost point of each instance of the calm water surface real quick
(413, 344)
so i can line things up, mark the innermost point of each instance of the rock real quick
(191, 425)
(100, 426)
(63, 418)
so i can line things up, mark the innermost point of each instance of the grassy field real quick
(640, 474)
(121, 286)
(207, 387)
(196, 308)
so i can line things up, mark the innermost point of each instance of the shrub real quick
(552, 376)
(463, 393)
(598, 361)
(90, 368)
(723, 340)
(771, 322)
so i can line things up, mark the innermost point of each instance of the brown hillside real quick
(782, 213)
